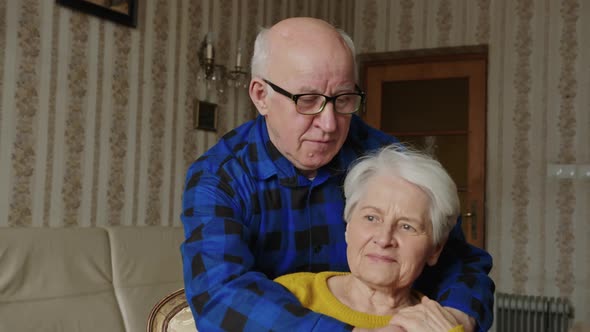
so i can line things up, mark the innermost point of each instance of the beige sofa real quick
(86, 279)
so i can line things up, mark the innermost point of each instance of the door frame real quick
(474, 223)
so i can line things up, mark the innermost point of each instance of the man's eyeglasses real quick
(314, 103)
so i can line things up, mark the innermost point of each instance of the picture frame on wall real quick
(119, 11)
(205, 115)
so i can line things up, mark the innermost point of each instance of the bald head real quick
(296, 29)
(302, 37)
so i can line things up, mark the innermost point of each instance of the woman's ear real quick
(346, 233)
(257, 91)
(433, 258)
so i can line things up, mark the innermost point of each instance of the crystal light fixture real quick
(217, 76)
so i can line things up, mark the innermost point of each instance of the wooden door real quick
(435, 100)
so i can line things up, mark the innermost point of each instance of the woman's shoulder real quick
(295, 277)
(299, 284)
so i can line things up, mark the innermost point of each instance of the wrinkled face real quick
(389, 234)
(308, 141)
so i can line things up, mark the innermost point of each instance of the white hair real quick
(260, 54)
(416, 168)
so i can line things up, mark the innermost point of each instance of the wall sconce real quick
(216, 76)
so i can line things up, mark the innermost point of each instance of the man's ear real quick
(257, 91)
(433, 258)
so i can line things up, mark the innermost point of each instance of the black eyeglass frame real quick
(327, 99)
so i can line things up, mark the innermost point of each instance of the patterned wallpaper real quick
(538, 113)
(96, 118)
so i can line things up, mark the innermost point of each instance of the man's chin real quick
(311, 166)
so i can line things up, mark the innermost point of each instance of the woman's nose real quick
(385, 237)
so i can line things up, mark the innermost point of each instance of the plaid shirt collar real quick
(270, 162)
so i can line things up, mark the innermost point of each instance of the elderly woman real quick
(400, 207)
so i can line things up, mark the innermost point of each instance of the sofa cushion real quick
(146, 267)
(57, 280)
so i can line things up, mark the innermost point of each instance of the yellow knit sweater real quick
(312, 291)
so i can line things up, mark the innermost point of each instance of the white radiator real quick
(523, 313)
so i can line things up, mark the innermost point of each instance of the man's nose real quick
(326, 120)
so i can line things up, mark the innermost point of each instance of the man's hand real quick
(428, 315)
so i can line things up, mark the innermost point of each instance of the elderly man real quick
(267, 199)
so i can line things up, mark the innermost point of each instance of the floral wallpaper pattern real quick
(75, 130)
(369, 11)
(118, 133)
(521, 152)
(98, 125)
(51, 118)
(194, 39)
(140, 58)
(566, 200)
(536, 224)
(405, 29)
(444, 22)
(96, 118)
(175, 102)
(157, 109)
(483, 22)
(26, 100)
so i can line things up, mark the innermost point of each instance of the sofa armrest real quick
(146, 267)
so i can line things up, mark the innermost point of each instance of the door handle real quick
(472, 216)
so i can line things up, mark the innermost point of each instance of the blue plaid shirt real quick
(249, 216)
